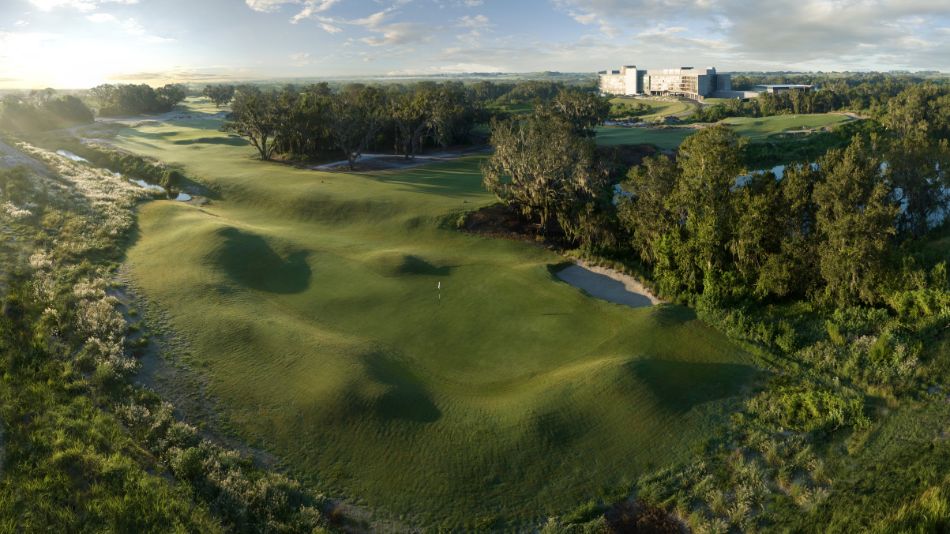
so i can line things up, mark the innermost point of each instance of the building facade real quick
(627, 81)
(685, 81)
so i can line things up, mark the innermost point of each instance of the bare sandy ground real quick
(608, 284)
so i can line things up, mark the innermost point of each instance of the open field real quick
(311, 305)
(660, 108)
(759, 128)
(756, 129)
(665, 138)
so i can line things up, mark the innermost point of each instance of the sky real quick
(81, 43)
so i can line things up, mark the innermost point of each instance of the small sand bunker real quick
(608, 284)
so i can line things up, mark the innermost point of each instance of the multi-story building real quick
(684, 81)
(627, 81)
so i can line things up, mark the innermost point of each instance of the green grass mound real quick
(312, 305)
(400, 264)
(251, 261)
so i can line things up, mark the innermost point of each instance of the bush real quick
(810, 410)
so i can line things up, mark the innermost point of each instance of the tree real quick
(253, 117)
(792, 268)
(643, 211)
(411, 111)
(709, 162)
(356, 115)
(855, 221)
(136, 99)
(545, 170)
(220, 95)
(583, 110)
(169, 96)
(918, 153)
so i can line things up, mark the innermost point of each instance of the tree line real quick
(42, 110)
(832, 231)
(135, 99)
(862, 93)
(311, 121)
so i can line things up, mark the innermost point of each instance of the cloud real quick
(300, 59)
(268, 6)
(309, 9)
(312, 8)
(478, 21)
(777, 33)
(130, 26)
(401, 33)
(99, 18)
(80, 5)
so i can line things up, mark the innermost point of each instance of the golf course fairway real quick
(311, 307)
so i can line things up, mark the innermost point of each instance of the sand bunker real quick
(608, 284)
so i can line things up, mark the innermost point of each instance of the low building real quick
(783, 88)
(684, 81)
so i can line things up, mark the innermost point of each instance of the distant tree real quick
(70, 109)
(411, 111)
(135, 99)
(221, 95)
(355, 117)
(855, 222)
(253, 117)
(44, 113)
(169, 96)
(583, 110)
(453, 114)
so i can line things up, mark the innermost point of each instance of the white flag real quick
(440, 285)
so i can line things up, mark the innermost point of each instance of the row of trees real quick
(313, 120)
(869, 94)
(830, 231)
(42, 110)
(127, 99)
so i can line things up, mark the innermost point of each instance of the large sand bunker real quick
(608, 284)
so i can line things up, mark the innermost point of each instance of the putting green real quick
(312, 306)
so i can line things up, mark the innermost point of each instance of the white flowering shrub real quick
(16, 213)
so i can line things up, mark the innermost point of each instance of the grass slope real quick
(665, 138)
(311, 304)
(759, 128)
(658, 108)
(755, 128)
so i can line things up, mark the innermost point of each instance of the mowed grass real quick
(665, 138)
(756, 129)
(658, 108)
(759, 128)
(311, 305)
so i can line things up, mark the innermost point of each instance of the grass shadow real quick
(416, 265)
(250, 260)
(406, 398)
(679, 386)
(229, 141)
